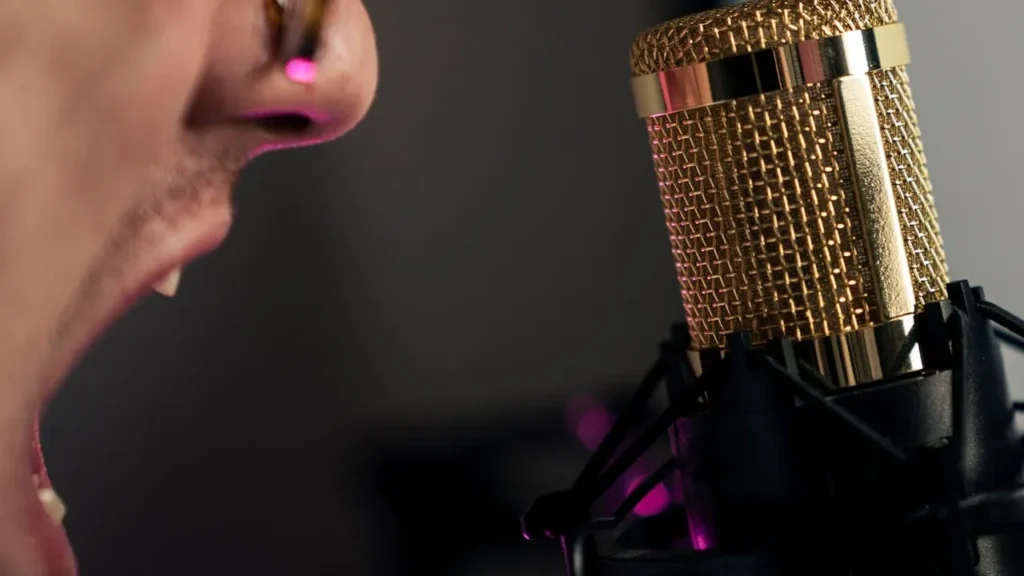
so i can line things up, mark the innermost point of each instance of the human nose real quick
(247, 85)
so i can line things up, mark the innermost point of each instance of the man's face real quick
(242, 105)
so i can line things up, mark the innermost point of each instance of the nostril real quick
(285, 123)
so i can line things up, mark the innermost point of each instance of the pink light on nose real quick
(301, 71)
(655, 502)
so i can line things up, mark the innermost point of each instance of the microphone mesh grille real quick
(760, 206)
(913, 189)
(749, 27)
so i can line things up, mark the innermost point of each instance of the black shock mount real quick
(781, 473)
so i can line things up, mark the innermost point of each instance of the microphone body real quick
(792, 174)
(836, 405)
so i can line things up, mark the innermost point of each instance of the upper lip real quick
(203, 233)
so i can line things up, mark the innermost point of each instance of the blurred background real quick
(398, 346)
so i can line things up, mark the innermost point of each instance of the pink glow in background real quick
(590, 421)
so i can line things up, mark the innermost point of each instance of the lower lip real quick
(56, 546)
(49, 547)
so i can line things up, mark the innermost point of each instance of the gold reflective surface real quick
(865, 356)
(851, 358)
(869, 179)
(767, 71)
(750, 27)
(804, 210)
(763, 222)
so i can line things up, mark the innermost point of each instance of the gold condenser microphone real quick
(793, 178)
(800, 212)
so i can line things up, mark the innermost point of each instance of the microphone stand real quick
(781, 473)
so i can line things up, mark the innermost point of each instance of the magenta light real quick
(593, 426)
(655, 502)
(578, 406)
(591, 422)
(301, 70)
(588, 419)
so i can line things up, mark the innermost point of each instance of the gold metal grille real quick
(762, 208)
(763, 229)
(749, 27)
(912, 187)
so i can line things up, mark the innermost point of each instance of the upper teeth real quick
(168, 285)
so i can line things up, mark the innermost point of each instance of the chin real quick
(148, 256)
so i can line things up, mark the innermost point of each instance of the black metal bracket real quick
(966, 481)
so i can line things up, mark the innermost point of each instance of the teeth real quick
(54, 506)
(168, 286)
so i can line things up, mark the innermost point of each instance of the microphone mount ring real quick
(767, 71)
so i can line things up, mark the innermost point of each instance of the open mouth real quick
(42, 509)
(52, 504)
(154, 245)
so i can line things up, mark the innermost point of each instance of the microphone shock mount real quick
(777, 471)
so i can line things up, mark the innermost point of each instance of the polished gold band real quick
(767, 71)
(847, 359)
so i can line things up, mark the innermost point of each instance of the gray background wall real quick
(967, 94)
(488, 243)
